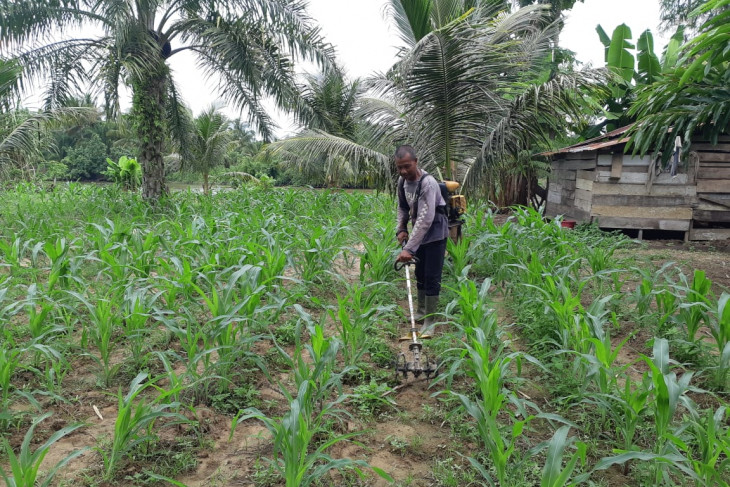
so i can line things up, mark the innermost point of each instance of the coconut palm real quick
(209, 144)
(22, 133)
(463, 91)
(249, 45)
(327, 105)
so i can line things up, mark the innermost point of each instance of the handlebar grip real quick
(400, 265)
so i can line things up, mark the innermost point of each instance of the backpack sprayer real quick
(419, 365)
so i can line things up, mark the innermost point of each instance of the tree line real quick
(480, 88)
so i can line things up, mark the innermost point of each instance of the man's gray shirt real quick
(429, 225)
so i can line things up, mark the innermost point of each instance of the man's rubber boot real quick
(420, 312)
(432, 303)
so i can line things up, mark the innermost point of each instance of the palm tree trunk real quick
(148, 118)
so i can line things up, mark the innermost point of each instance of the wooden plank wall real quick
(617, 191)
(623, 197)
(712, 211)
(566, 196)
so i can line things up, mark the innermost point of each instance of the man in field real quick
(421, 203)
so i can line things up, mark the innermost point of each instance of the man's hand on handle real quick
(404, 255)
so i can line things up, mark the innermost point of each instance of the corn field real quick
(248, 338)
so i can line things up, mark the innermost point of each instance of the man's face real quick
(407, 167)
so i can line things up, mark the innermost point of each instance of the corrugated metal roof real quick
(593, 144)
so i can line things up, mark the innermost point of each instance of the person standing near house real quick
(421, 203)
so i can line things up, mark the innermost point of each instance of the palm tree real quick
(209, 143)
(22, 133)
(464, 91)
(248, 44)
(327, 105)
(695, 95)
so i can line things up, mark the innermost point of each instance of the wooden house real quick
(595, 181)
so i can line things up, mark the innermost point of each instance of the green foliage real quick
(87, 159)
(24, 467)
(133, 424)
(693, 96)
(369, 400)
(127, 172)
(629, 72)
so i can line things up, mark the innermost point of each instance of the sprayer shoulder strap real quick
(402, 191)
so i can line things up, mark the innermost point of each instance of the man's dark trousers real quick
(430, 266)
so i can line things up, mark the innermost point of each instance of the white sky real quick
(366, 43)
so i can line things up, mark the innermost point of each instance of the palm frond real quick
(22, 140)
(533, 116)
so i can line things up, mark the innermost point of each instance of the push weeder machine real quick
(420, 363)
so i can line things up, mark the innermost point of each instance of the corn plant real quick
(627, 407)
(296, 457)
(668, 391)
(694, 310)
(101, 330)
(376, 259)
(134, 423)
(648, 288)
(320, 368)
(271, 259)
(227, 302)
(38, 322)
(490, 373)
(144, 251)
(10, 361)
(459, 253)
(705, 441)
(471, 308)
(180, 277)
(318, 248)
(25, 466)
(136, 308)
(553, 473)
(355, 315)
(720, 329)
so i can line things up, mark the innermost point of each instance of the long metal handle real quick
(415, 346)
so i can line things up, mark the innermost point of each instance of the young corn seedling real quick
(38, 310)
(101, 330)
(473, 306)
(134, 423)
(553, 473)
(490, 373)
(720, 329)
(376, 259)
(705, 441)
(355, 316)
(137, 307)
(459, 254)
(25, 466)
(12, 252)
(60, 272)
(10, 361)
(227, 303)
(144, 251)
(645, 292)
(694, 311)
(296, 456)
